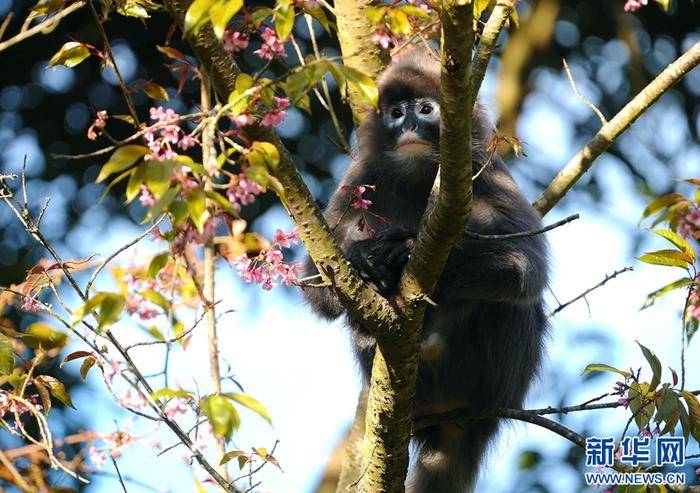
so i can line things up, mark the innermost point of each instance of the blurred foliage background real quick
(612, 55)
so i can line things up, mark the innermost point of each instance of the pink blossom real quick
(176, 406)
(161, 140)
(243, 191)
(358, 202)
(243, 120)
(97, 457)
(31, 305)
(285, 240)
(235, 41)
(634, 5)
(187, 141)
(146, 198)
(100, 122)
(271, 47)
(689, 223)
(273, 256)
(132, 400)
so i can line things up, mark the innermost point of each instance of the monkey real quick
(482, 342)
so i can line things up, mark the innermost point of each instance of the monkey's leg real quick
(448, 457)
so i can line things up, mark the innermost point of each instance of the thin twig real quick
(523, 234)
(110, 53)
(583, 98)
(48, 23)
(589, 290)
(119, 474)
(131, 243)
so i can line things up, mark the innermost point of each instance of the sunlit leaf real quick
(677, 240)
(197, 207)
(651, 297)
(168, 393)
(156, 298)
(121, 159)
(660, 203)
(603, 367)
(162, 203)
(234, 454)
(70, 55)
(45, 336)
(375, 14)
(221, 13)
(109, 307)
(284, 21)
(693, 404)
(7, 355)
(158, 176)
(670, 258)
(223, 417)
(252, 404)
(197, 15)
(85, 367)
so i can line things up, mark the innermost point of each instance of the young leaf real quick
(223, 417)
(651, 297)
(162, 203)
(362, 82)
(7, 355)
(122, 159)
(221, 13)
(693, 413)
(197, 207)
(155, 91)
(677, 240)
(660, 203)
(45, 336)
(284, 21)
(197, 15)
(252, 404)
(85, 367)
(108, 305)
(157, 176)
(671, 258)
(157, 299)
(168, 393)
(70, 55)
(654, 364)
(234, 454)
(603, 367)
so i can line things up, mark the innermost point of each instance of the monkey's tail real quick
(448, 457)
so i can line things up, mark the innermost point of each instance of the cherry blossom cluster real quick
(99, 123)
(693, 310)
(273, 117)
(242, 191)
(362, 204)
(162, 139)
(136, 303)
(634, 5)
(271, 46)
(31, 305)
(384, 39)
(269, 266)
(235, 41)
(188, 234)
(689, 222)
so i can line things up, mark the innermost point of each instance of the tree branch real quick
(582, 162)
(46, 25)
(487, 43)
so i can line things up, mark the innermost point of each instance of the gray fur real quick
(483, 343)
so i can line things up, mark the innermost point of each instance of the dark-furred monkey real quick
(482, 343)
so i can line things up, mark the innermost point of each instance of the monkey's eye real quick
(396, 112)
(426, 109)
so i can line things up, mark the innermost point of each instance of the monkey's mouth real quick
(411, 145)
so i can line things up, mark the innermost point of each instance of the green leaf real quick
(362, 82)
(45, 336)
(693, 413)
(414, 11)
(158, 263)
(57, 389)
(44, 395)
(670, 258)
(70, 55)
(155, 91)
(677, 240)
(133, 186)
(664, 3)
(7, 355)
(197, 207)
(223, 417)
(168, 393)
(121, 159)
(284, 22)
(660, 203)
(603, 367)
(108, 305)
(640, 405)
(162, 204)
(197, 15)
(156, 298)
(252, 404)
(221, 13)
(655, 366)
(158, 176)
(651, 297)
(398, 22)
(375, 14)
(259, 15)
(667, 404)
(234, 454)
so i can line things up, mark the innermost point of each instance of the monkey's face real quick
(414, 127)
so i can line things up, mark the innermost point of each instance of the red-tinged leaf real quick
(155, 91)
(674, 375)
(57, 389)
(172, 53)
(75, 355)
(232, 455)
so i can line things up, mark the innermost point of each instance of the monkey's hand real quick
(381, 259)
